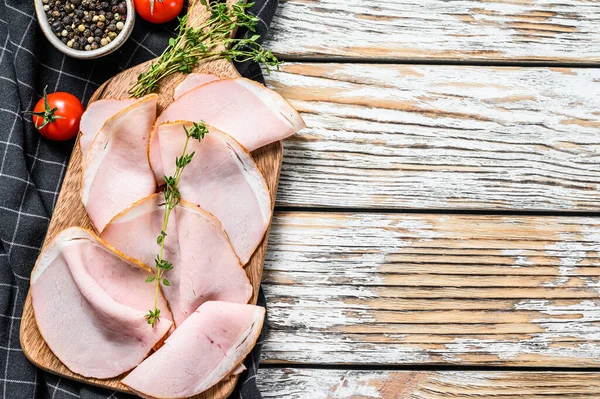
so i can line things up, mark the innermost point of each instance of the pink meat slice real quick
(224, 181)
(116, 172)
(207, 347)
(192, 81)
(248, 111)
(205, 266)
(94, 117)
(89, 304)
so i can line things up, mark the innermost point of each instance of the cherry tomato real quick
(158, 11)
(56, 116)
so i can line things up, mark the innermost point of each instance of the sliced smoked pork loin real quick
(207, 347)
(205, 266)
(116, 172)
(222, 179)
(94, 117)
(248, 111)
(90, 302)
(192, 81)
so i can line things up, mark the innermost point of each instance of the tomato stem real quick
(152, 6)
(48, 115)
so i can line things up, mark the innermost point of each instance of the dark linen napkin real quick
(32, 169)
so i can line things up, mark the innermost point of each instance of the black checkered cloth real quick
(32, 169)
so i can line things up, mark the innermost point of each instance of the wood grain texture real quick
(442, 137)
(69, 211)
(348, 384)
(392, 289)
(492, 30)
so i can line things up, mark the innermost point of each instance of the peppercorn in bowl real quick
(86, 28)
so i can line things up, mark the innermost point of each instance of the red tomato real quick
(56, 116)
(164, 10)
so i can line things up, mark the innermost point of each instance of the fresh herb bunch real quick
(171, 195)
(210, 41)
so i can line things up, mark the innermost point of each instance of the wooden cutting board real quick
(69, 212)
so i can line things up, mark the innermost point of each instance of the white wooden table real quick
(437, 231)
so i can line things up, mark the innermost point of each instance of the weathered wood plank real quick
(492, 30)
(442, 137)
(433, 289)
(348, 384)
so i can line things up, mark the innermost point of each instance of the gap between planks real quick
(490, 212)
(437, 61)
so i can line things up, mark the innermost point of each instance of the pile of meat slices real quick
(89, 292)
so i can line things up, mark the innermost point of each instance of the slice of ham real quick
(116, 172)
(222, 179)
(192, 81)
(205, 266)
(240, 368)
(248, 111)
(94, 117)
(207, 347)
(89, 304)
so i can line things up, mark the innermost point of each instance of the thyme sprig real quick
(172, 198)
(212, 40)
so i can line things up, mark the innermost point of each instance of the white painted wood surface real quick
(347, 384)
(442, 137)
(433, 289)
(415, 289)
(491, 30)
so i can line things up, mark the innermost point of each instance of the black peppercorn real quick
(85, 24)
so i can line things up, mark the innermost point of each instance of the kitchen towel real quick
(32, 169)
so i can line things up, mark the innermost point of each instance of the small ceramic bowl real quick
(82, 54)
